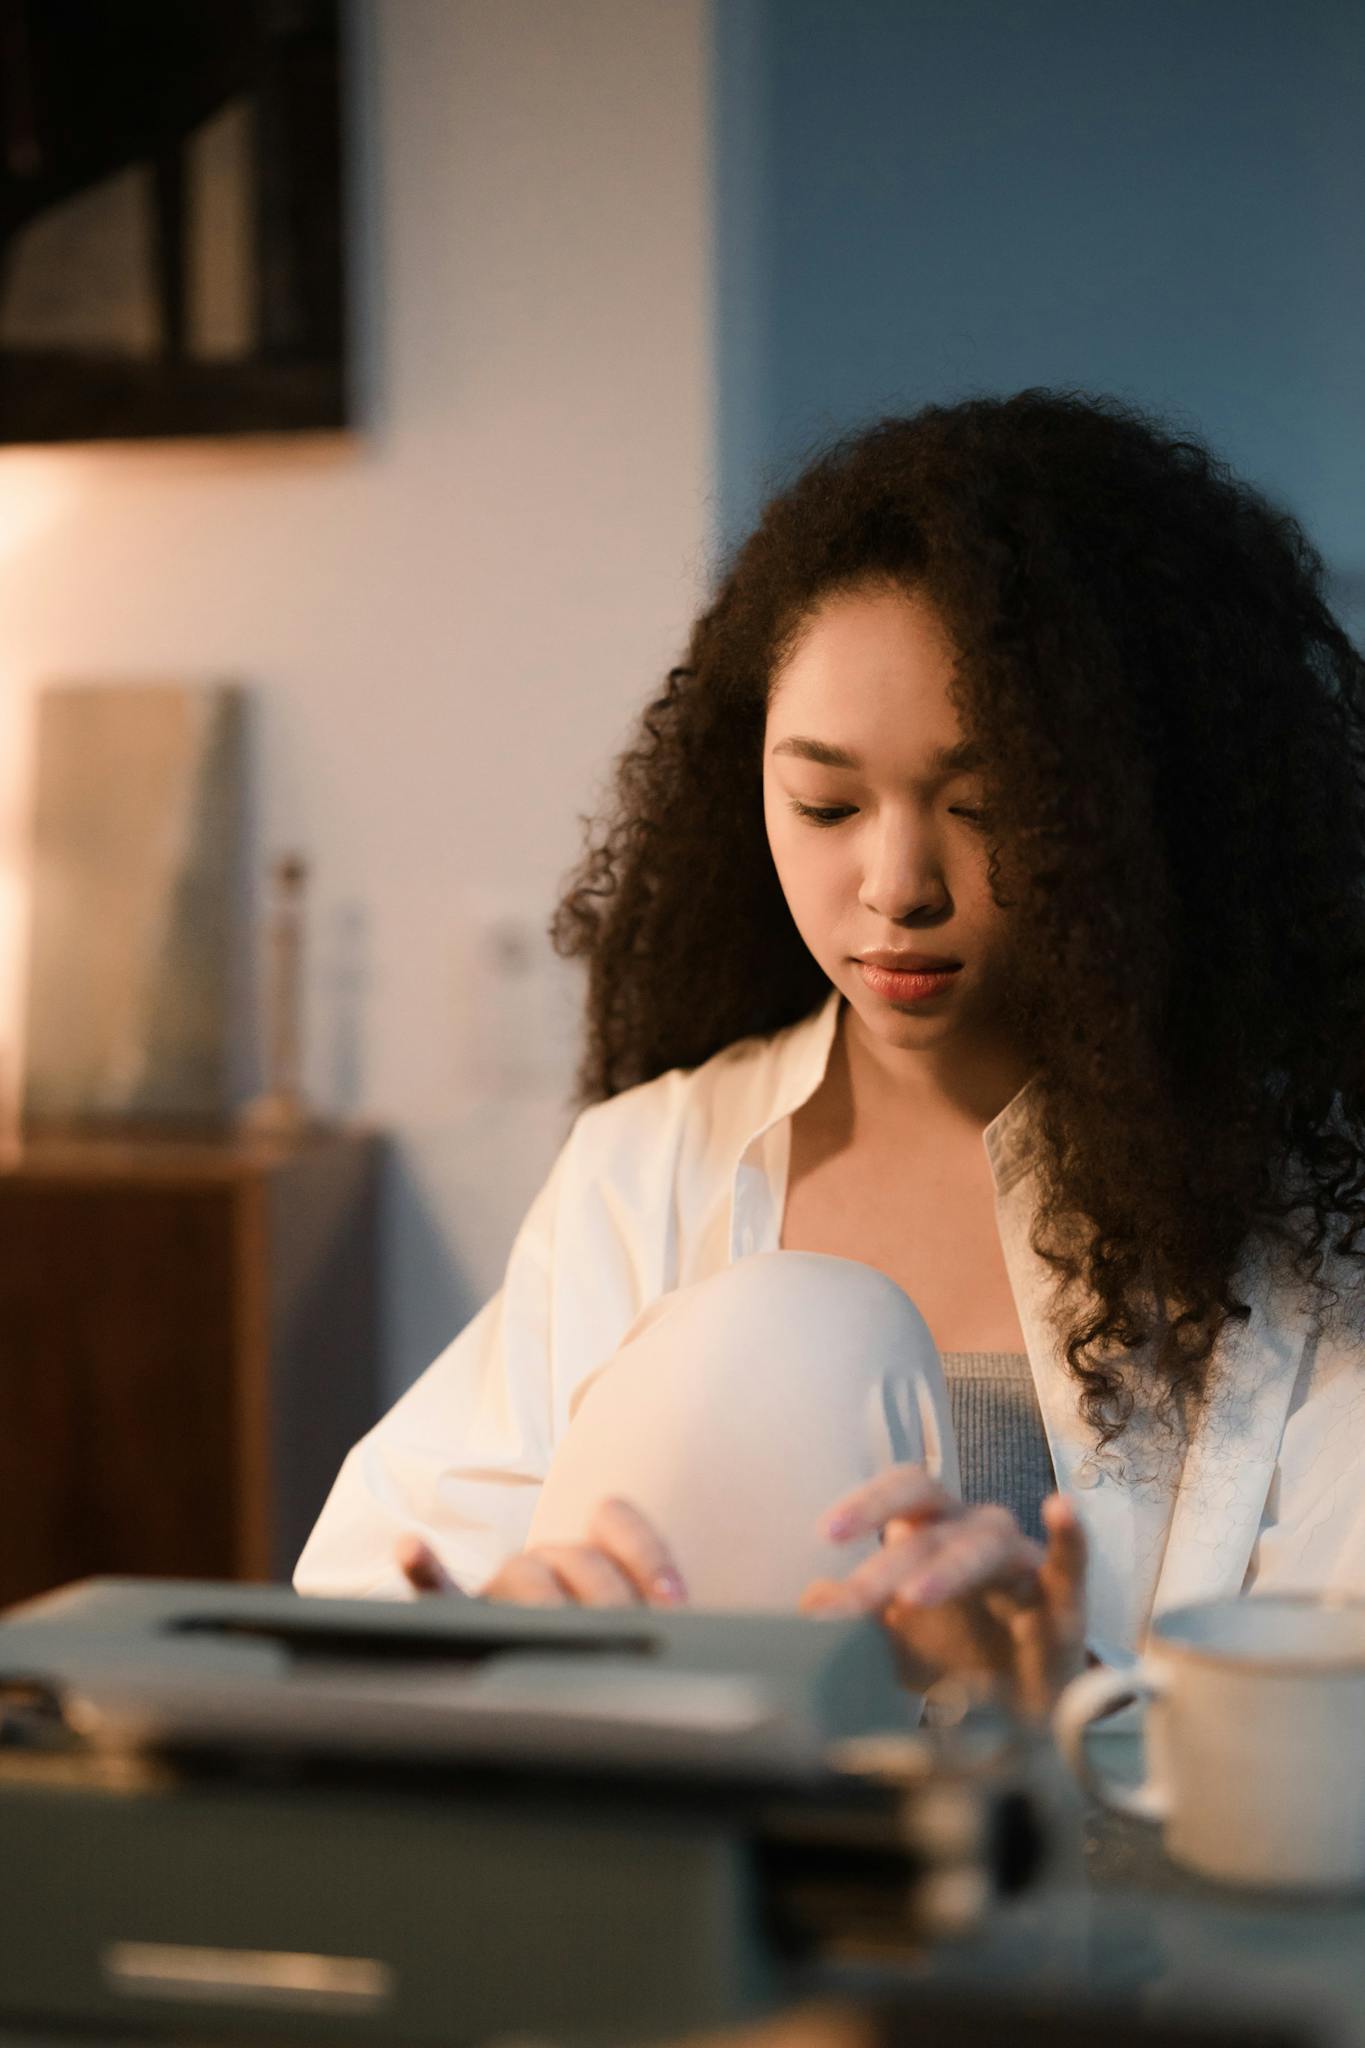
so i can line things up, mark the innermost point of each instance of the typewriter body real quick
(230, 1810)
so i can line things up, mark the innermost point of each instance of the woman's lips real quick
(900, 986)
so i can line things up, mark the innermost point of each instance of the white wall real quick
(451, 616)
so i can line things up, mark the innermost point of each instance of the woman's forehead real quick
(869, 671)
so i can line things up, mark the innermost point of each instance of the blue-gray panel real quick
(1161, 198)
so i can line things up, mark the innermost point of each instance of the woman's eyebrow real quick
(958, 760)
(818, 751)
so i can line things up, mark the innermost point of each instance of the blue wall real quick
(1165, 199)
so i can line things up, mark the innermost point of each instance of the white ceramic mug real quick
(1254, 1737)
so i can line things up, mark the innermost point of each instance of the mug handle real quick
(1083, 1701)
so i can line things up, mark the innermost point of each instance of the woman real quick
(983, 904)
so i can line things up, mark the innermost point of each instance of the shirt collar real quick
(801, 1066)
(1008, 1137)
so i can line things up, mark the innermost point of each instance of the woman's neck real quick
(965, 1080)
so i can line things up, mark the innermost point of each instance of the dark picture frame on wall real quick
(172, 218)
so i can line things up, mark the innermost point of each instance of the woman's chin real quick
(906, 1027)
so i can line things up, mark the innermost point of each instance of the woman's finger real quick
(527, 1580)
(905, 1490)
(871, 1584)
(422, 1568)
(1049, 1641)
(1063, 1571)
(618, 1527)
(826, 1596)
(589, 1576)
(987, 1550)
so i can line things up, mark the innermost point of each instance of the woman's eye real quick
(964, 811)
(821, 814)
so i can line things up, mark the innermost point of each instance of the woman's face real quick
(874, 818)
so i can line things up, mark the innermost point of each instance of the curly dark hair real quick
(1172, 720)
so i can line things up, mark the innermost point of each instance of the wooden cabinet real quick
(188, 1347)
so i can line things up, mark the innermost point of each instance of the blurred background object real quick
(282, 1108)
(188, 1344)
(188, 1339)
(136, 920)
(171, 227)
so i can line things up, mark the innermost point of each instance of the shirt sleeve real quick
(460, 1457)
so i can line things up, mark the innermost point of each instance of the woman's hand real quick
(623, 1563)
(962, 1589)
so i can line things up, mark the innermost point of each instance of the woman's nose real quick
(904, 874)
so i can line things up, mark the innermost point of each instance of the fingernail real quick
(841, 1525)
(668, 1586)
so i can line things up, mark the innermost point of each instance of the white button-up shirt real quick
(668, 1182)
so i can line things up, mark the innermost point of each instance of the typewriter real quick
(231, 1810)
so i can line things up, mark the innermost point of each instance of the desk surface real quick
(1132, 1930)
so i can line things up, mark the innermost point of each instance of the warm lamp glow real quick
(13, 912)
(34, 491)
(16, 754)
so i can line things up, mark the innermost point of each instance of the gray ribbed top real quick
(1001, 1443)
